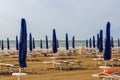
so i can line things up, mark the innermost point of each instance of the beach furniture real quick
(62, 64)
(18, 75)
(31, 55)
(4, 53)
(98, 61)
(13, 54)
(52, 55)
(82, 51)
(6, 66)
(73, 63)
(110, 74)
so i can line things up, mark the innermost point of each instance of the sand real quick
(36, 69)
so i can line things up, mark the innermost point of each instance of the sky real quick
(81, 18)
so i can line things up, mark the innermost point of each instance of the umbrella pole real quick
(18, 78)
(19, 73)
(105, 63)
(99, 54)
(66, 54)
(19, 70)
(99, 58)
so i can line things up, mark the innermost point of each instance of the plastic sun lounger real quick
(75, 62)
(108, 74)
(101, 77)
(111, 77)
(60, 64)
(6, 66)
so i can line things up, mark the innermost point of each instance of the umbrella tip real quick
(53, 29)
(23, 18)
(108, 23)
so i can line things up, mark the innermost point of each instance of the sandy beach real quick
(36, 68)
(59, 40)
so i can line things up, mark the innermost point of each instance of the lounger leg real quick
(30, 58)
(46, 66)
(60, 67)
(53, 66)
(10, 70)
(109, 78)
(101, 78)
(80, 65)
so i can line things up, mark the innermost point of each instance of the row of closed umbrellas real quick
(32, 43)
(23, 43)
(108, 42)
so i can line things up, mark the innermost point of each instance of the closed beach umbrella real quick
(33, 43)
(107, 52)
(46, 42)
(17, 43)
(73, 42)
(67, 42)
(30, 42)
(86, 43)
(118, 43)
(41, 44)
(8, 44)
(101, 41)
(93, 41)
(90, 44)
(2, 47)
(112, 42)
(23, 44)
(57, 44)
(97, 41)
(54, 42)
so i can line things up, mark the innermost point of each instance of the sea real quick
(78, 44)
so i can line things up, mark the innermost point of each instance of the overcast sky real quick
(81, 18)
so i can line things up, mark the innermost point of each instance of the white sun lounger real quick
(62, 64)
(6, 66)
(110, 77)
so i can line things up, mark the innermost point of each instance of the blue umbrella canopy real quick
(93, 41)
(33, 43)
(23, 44)
(17, 43)
(2, 47)
(54, 42)
(41, 44)
(118, 43)
(112, 42)
(90, 44)
(67, 42)
(30, 42)
(107, 52)
(8, 44)
(98, 41)
(73, 42)
(46, 42)
(86, 43)
(101, 41)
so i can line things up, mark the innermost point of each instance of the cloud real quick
(82, 18)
